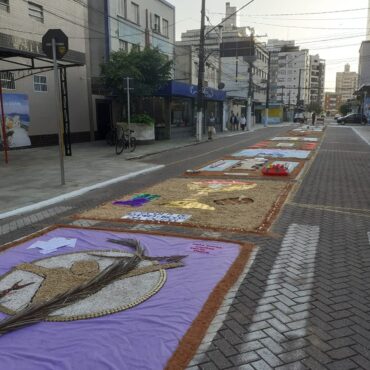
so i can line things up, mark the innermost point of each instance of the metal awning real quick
(24, 58)
(24, 53)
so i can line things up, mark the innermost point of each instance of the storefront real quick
(180, 99)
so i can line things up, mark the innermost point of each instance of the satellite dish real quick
(221, 85)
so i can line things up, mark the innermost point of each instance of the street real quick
(302, 299)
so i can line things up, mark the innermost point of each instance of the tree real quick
(148, 68)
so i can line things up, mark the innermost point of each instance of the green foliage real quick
(148, 68)
(344, 109)
(142, 118)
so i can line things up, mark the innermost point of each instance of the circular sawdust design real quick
(52, 275)
(233, 201)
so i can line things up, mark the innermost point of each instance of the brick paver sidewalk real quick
(304, 302)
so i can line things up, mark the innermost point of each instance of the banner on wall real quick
(17, 120)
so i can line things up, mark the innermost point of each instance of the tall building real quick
(239, 48)
(317, 80)
(294, 77)
(368, 23)
(274, 46)
(230, 20)
(27, 77)
(364, 64)
(346, 83)
(122, 25)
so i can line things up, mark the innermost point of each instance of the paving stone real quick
(346, 364)
(244, 358)
(218, 358)
(261, 365)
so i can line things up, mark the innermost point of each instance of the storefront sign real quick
(175, 88)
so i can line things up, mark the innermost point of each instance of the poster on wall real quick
(17, 120)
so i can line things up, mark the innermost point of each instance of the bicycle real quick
(124, 139)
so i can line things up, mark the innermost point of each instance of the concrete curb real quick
(76, 193)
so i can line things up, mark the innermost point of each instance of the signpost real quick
(55, 46)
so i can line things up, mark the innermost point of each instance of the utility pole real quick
(299, 88)
(219, 76)
(268, 89)
(200, 100)
(58, 112)
(250, 82)
(128, 106)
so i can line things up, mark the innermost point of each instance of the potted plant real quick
(143, 125)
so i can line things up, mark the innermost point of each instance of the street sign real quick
(61, 43)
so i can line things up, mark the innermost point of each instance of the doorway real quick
(103, 118)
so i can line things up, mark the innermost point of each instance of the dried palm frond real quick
(37, 312)
(128, 243)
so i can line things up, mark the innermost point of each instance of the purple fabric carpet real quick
(143, 337)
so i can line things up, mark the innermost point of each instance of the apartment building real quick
(274, 46)
(26, 76)
(294, 76)
(123, 25)
(346, 83)
(317, 80)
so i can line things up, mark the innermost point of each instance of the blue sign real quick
(175, 88)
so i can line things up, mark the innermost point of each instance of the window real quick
(40, 83)
(4, 4)
(36, 11)
(135, 47)
(7, 80)
(135, 13)
(165, 27)
(122, 8)
(157, 23)
(123, 45)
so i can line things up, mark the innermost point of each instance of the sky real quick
(335, 34)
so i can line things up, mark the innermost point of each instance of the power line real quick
(307, 13)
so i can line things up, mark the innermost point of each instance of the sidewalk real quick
(33, 175)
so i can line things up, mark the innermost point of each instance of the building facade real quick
(346, 83)
(364, 64)
(23, 24)
(123, 25)
(243, 63)
(332, 104)
(317, 80)
(294, 77)
(274, 46)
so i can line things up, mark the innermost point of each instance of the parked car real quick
(337, 116)
(299, 118)
(352, 118)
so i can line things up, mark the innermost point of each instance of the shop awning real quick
(181, 89)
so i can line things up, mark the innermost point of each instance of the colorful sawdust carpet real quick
(137, 200)
(274, 153)
(161, 304)
(220, 165)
